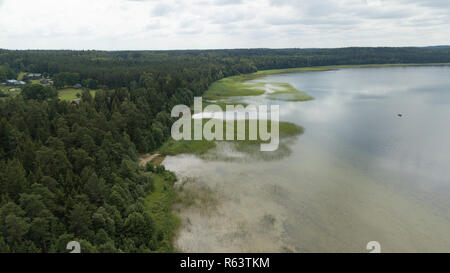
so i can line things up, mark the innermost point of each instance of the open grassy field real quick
(10, 90)
(69, 94)
(21, 75)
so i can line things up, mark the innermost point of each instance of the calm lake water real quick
(359, 173)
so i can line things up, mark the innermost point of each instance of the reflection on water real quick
(360, 172)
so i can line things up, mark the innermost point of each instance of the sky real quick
(217, 24)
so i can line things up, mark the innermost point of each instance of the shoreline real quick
(240, 85)
(337, 67)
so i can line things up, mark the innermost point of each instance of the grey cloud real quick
(385, 13)
(161, 10)
(434, 3)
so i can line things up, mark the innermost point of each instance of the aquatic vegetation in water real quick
(243, 86)
(287, 131)
(286, 92)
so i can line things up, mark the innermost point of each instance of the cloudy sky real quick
(203, 24)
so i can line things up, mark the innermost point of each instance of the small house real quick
(13, 83)
(45, 81)
(76, 101)
(77, 86)
(34, 76)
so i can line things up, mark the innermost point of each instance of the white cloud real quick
(177, 24)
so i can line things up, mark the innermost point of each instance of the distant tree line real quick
(125, 68)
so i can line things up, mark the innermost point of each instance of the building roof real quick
(34, 75)
(15, 82)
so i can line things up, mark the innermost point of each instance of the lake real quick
(372, 165)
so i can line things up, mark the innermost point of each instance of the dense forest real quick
(70, 172)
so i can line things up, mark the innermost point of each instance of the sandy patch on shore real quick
(145, 158)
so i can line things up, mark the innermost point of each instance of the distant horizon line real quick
(219, 49)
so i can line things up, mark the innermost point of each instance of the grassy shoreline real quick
(159, 204)
(232, 87)
(240, 86)
(336, 67)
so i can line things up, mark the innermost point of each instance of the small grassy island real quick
(199, 147)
